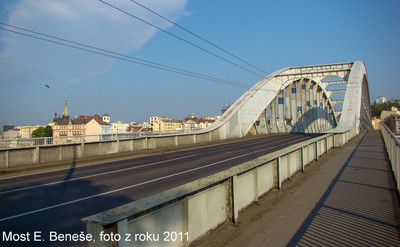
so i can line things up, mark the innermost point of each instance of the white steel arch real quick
(296, 99)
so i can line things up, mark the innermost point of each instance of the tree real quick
(42, 132)
(376, 109)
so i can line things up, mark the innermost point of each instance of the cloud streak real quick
(26, 61)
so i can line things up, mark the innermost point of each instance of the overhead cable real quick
(198, 36)
(107, 53)
(181, 39)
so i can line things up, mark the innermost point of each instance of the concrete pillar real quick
(308, 116)
(294, 107)
(262, 127)
(273, 123)
(299, 107)
(281, 112)
(288, 122)
(318, 106)
(324, 113)
(314, 118)
(303, 105)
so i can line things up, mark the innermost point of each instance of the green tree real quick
(376, 109)
(42, 132)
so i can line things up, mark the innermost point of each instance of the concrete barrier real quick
(191, 210)
(10, 158)
(393, 150)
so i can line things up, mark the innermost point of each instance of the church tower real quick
(65, 112)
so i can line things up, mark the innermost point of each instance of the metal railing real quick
(46, 141)
(393, 150)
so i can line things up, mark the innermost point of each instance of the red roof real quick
(96, 117)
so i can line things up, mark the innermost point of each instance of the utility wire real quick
(115, 55)
(181, 39)
(198, 36)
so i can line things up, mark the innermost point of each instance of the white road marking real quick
(94, 175)
(134, 185)
(127, 187)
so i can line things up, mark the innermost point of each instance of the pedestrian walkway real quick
(347, 198)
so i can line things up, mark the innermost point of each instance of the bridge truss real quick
(299, 100)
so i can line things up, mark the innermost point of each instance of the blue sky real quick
(269, 34)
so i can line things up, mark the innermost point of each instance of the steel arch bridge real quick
(299, 100)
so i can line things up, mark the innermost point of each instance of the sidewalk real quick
(347, 198)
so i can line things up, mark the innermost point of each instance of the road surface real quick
(45, 203)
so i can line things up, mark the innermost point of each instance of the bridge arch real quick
(296, 99)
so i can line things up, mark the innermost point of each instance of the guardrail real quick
(393, 150)
(184, 213)
(79, 139)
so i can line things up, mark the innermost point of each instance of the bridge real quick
(179, 187)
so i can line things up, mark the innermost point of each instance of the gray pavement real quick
(347, 198)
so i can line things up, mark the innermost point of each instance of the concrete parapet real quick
(193, 209)
(186, 139)
(23, 157)
(168, 141)
(125, 146)
(92, 149)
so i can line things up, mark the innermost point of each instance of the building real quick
(64, 127)
(137, 129)
(119, 127)
(10, 132)
(193, 122)
(155, 122)
(26, 131)
(96, 126)
(106, 118)
(72, 130)
(376, 122)
(393, 111)
(380, 100)
(169, 125)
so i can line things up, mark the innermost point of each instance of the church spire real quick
(65, 112)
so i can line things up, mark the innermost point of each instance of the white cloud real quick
(25, 60)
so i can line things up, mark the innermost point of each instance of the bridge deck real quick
(347, 198)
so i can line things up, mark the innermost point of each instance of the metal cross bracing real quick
(298, 100)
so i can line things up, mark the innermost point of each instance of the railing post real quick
(82, 146)
(7, 160)
(397, 164)
(235, 210)
(37, 158)
(302, 159)
(122, 230)
(326, 145)
(117, 151)
(278, 166)
(185, 219)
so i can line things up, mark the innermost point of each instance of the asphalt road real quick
(46, 201)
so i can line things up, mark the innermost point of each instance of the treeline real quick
(43, 132)
(376, 109)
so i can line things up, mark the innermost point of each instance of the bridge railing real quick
(393, 150)
(79, 139)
